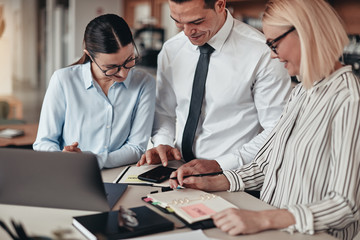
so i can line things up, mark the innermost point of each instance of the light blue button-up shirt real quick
(115, 127)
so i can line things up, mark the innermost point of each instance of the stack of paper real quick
(190, 204)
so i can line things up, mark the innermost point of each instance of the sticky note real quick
(147, 199)
(198, 210)
(132, 179)
(170, 210)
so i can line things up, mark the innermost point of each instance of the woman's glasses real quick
(271, 43)
(128, 64)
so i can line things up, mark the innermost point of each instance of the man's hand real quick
(196, 166)
(72, 148)
(160, 154)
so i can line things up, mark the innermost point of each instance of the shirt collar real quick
(128, 78)
(332, 77)
(87, 76)
(218, 40)
(89, 81)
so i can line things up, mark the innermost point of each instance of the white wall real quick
(167, 22)
(18, 56)
(66, 29)
(28, 55)
(81, 12)
(6, 53)
(64, 36)
(18, 45)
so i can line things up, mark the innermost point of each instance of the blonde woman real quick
(309, 166)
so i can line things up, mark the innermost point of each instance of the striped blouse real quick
(310, 162)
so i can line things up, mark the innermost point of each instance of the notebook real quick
(11, 133)
(56, 180)
(130, 174)
(106, 226)
(190, 205)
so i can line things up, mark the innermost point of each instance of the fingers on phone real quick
(176, 153)
(163, 157)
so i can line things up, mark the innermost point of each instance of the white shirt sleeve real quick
(270, 91)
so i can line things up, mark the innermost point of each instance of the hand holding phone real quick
(157, 175)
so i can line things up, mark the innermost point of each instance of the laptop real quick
(56, 180)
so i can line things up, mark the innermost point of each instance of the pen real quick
(201, 175)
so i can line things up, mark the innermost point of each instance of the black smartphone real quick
(157, 175)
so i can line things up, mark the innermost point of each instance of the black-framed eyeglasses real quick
(128, 64)
(271, 43)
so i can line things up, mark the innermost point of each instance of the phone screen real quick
(157, 175)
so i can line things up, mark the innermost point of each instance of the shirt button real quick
(105, 147)
(108, 126)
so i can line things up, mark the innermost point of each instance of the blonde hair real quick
(321, 33)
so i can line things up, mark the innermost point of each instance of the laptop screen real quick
(51, 179)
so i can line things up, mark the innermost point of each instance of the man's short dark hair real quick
(208, 3)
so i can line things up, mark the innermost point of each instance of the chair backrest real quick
(4, 109)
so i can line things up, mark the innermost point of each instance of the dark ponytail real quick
(105, 34)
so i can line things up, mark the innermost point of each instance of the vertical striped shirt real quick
(310, 162)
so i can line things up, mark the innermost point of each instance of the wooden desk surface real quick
(47, 221)
(30, 131)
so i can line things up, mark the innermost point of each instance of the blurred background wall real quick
(41, 36)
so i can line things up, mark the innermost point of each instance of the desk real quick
(44, 221)
(30, 131)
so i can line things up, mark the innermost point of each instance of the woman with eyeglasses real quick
(101, 103)
(309, 167)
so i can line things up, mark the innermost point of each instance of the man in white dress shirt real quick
(244, 94)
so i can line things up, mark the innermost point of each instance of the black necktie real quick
(197, 96)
